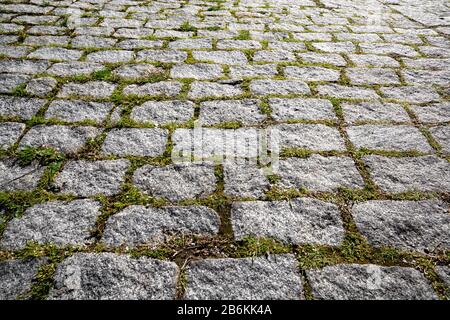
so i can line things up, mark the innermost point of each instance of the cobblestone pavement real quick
(115, 116)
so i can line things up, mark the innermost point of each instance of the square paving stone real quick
(276, 277)
(301, 109)
(15, 177)
(89, 178)
(201, 90)
(66, 139)
(16, 277)
(107, 276)
(198, 71)
(176, 182)
(10, 133)
(407, 225)
(369, 282)
(90, 89)
(439, 112)
(279, 87)
(319, 173)
(163, 112)
(312, 73)
(136, 142)
(41, 87)
(246, 112)
(137, 225)
(77, 111)
(298, 221)
(317, 137)
(442, 136)
(381, 137)
(374, 112)
(426, 173)
(57, 222)
(371, 76)
(23, 108)
(163, 89)
(244, 180)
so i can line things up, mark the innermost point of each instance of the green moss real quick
(20, 91)
(243, 35)
(253, 247)
(44, 156)
(187, 27)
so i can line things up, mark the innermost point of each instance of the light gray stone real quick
(279, 87)
(253, 71)
(9, 82)
(59, 223)
(312, 73)
(10, 133)
(383, 137)
(191, 44)
(426, 173)
(298, 221)
(23, 108)
(58, 54)
(335, 47)
(77, 111)
(137, 71)
(439, 112)
(244, 180)
(411, 94)
(301, 109)
(371, 76)
(442, 135)
(110, 56)
(165, 56)
(141, 142)
(213, 90)
(137, 225)
(246, 112)
(198, 71)
(90, 89)
(239, 44)
(276, 277)
(328, 58)
(372, 60)
(16, 277)
(274, 56)
(74, 68)
(374, 112)
(163, 112)
(66, 139)
(369, 282)
(318, 173)
(15, 177)
(339, 91)
(163, 88)
(88, 178)
(406, 225)
(176, 182)
(41, 87)
(24, 66)
(389, 49)
(107, 276)
(221, 57)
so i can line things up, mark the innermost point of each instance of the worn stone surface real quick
(198, 71)
(16, 277)
(369, 282)
(56, 222)
(41, 86)
(365, 112)
(279, 87)
(301, 109)
(408, 225)
(91, 89)
(107, 276)
(163, 89)
(138, 225)
(442, 136)
(14, 177)
(427, 173)
(319, 173)
(88, 178)
(10, 133)
(272, 278)
(246, 112)
(163, 112)
(439, 112)
(22, 108)
(298, 221)
(176, 182)
(135, 142)
(213, 90)
(244, 180)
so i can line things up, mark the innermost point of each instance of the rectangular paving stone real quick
(14, 51)
(16, 277)
(141, 142)
(15, 177)
(89, 178)
(274, 56)
(318, 173)
(384, 137)
(317, 137)
(57, 222)
(276, 277)
(253, 71)
(312, 73)
(66, 139)
(301, 109)
(163, 112)
(239, 44)
(406, 225)
(198, 71)
(221, 57)
(74, 68)
(374, 112)
(24, 66)
(438, 112)
(279, 87)
(369, 282)
(344, 92)
(335, 47)
(58, 54)
(412, 94)
(9, 82)
(298, 221)
(47, 40)
(320, 58)
(110, 56)
(41, 87)
(426, 173)
(90, 89)
(427, 77)
(442, 135)
(372, 60)
(176, 182)
(245, 112)
(107, 276)
(163, 88)
(165, 56)
(201, 90)
(137, 225)
(83, 42)
(191, 44)
(77, 111)
(244, 179)
(10, 133)
(371, 76)
(389, 49)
